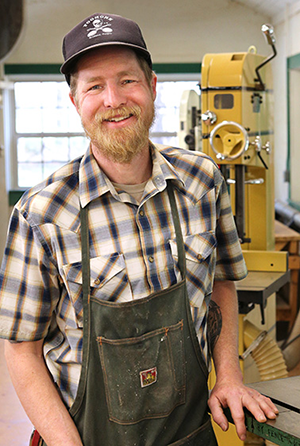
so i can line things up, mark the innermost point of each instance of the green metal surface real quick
(160, 68)
(14, 196)
(270, 432)
(292, 63)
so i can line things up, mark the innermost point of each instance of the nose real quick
(113, 96)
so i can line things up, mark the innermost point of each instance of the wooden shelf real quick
(286, 239)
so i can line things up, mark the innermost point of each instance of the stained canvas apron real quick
(143, 379)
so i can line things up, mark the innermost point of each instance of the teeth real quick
(118, 119)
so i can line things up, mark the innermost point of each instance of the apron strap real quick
(85, 260)
(178, 232)
(85, 252)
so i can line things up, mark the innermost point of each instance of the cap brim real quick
(68, 65)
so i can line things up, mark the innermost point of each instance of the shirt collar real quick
(162, 170)
(93, 182)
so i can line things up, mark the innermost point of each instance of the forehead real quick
(107, 57)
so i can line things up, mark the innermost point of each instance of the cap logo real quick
(98, 26)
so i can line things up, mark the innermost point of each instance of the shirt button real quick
(142, 213)
(199, 256)
(97, 282)
(151, 259)
(159, 181)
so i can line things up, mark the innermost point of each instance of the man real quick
(111, 265)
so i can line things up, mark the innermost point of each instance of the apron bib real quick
(143, 379)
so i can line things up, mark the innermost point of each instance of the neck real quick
(137, 171)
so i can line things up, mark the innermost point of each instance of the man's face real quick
(115, 102)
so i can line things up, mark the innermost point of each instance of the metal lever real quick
(254, 345)
(268, 31)
(254, 181)
(258, 147)
(209, 117)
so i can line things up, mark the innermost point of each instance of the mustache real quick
(120, 112)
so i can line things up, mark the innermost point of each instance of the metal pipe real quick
(287, 214)
(291, 347)
(240, 200)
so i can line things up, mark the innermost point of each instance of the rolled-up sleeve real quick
(29, 288)
(230, 263)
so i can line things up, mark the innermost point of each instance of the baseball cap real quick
(99, 30)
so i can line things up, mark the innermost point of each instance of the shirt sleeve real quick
(230, 263)
(29, 288)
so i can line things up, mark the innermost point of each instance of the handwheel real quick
(229, 140)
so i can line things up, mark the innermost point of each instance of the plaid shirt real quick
(133, 250)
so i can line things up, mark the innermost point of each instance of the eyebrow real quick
(120, 74)
(93, 79)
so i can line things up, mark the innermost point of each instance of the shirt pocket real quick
(200, 255)
(108, 281)
(198, 247)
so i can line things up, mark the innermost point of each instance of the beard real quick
(124, 144)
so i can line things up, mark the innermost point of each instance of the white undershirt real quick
(135, 190)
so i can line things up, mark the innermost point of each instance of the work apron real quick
(143, 379)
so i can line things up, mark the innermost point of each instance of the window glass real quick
(29, 150)
(167, 106)
(28, 120)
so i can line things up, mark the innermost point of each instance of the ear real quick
(74, 102)
(153, 85)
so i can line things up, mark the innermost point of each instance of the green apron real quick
(143, 379)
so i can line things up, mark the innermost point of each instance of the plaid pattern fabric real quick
(132, 248)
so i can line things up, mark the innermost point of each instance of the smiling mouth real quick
(118, 118)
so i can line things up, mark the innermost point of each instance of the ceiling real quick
(267, 7)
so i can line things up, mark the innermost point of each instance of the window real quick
(47, 131)
(166, 126)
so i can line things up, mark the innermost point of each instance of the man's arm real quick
(38, 394)
(229, 390)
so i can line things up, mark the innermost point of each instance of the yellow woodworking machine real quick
(237, 131)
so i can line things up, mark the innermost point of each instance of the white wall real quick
(287, 28)
(175, 30)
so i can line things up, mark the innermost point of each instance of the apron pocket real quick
(144, 376)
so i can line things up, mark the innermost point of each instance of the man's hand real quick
(232, 393)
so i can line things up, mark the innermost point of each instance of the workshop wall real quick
(175, 31)
(287, 28)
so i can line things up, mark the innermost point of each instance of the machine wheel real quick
(229, 140)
